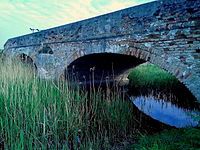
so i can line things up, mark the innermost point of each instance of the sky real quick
(17, 16)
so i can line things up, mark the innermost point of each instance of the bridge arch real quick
(98, 66)
(27, 60)
(134, 56)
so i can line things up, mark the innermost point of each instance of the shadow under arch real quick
(99, 67)
(103, 67)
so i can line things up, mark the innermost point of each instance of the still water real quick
(178, 108)
(165, 111)
(161, 108)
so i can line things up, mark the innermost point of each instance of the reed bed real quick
(49, 114)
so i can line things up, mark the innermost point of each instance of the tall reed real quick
(47, 114)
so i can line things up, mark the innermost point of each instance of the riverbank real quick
(154, 78)
(179, 139)
(151, 76)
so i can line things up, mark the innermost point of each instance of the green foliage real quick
(149, 75)
(45, 114)
(179, 139)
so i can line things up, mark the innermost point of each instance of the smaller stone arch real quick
(27, 60)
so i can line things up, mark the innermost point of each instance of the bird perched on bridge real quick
(34, 30)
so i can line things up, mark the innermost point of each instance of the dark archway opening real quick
(100, 67)
(28, 61)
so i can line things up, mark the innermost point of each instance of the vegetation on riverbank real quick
(44, 114)
(179, 139)
(151, 76)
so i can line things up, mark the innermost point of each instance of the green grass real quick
(151, 76)
(45, 114)
(179, 139)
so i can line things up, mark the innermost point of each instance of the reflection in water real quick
(165, 111)
(156, 108)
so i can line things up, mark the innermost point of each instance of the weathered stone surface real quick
(164, 32)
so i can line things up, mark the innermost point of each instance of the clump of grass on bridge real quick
(151, 76)
(44, 114)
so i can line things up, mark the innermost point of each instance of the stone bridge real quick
(164, 32)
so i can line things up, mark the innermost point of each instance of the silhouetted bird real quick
(33, 30)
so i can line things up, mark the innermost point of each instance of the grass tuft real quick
(151, 76)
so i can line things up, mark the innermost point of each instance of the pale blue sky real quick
(17, 16)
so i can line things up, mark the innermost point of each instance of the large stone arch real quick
(145, 53)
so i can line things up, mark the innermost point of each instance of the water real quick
(165, 111)
(161, 108)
